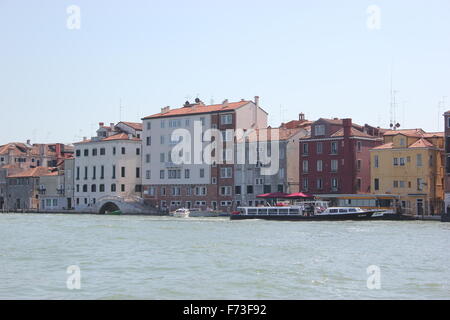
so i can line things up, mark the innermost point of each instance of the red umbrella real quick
(299, 195)
(273, 195)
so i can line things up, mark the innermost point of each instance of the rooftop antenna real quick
(393, 121)
(441, 106)
(120, 109)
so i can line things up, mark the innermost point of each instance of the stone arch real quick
(109, 207)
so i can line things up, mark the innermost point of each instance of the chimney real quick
(347, 123)
(111, 124)
(58, 149)
(225, 103)
(101, 124)
(257, 101)
(84, 138)
(301, 116)
(165, 109)
(130, 136)
(28, 142)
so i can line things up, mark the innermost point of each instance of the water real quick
(138, 257)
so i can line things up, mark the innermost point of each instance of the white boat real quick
(181, 213)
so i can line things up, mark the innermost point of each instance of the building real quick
(410, 164)
(447, 161)
(250, 180)
(18, 157)
(23, 189)
(335, 157)
(204, 178)
(108, 166)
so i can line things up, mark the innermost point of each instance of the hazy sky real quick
(316, 57)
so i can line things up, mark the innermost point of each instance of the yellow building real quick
(410, 164)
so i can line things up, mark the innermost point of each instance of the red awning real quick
(299, 195)
(273, 195)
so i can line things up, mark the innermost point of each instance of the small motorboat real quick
(114, 213)
(181, 213)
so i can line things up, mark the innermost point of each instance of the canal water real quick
(140, 257)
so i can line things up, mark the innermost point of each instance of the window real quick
(174, 174)
(376, 184)
(174, 123)
(138, 151)
(395, 161)
(176, 191)
(187, 173)
(334, 165)
(305, 166)
(227, 135)
(401, 184)
(122, 172)
(94, 172)
(202, 120)
(113, 172)
(187, 122)
(319, 130)
(214, 180)
(281, 173)
(376, 162)
(249, 189)
(226, 119)
(305, 183)
(123, 150)
(161, 174)
(114, 150)
(259, 181)
(162, 124)
(78, 153)
(138, 172)
(420, 184)
(85, 173)
(147, 158)
(122, 188)
(395, 183)
(202, 173)
(334, 184)
(149, 125)
(86, 152)
(94, 152)
(78, 173)
(85, 188)
(358, 184)
(305, 149)
(319, 147)
(102, 151)
(93, 188)
(225, 190)
(319, 165)
(334, 149)
(319, 184)
(237, 189)
(358, 146)
(402, 161)
(225, 172)
(148, 174)
(419, 160)
(149, 141)
(359, 164)
(402, 142)
(162, 157)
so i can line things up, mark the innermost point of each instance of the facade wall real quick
(419, 184)
(22, 193)
(84, 195)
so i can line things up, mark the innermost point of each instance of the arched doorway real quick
(109, 207)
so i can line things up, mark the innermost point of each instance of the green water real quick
(138, 257)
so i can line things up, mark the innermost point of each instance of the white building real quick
(108, 167)
(194, 183)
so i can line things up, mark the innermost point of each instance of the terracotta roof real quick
(433, 134)
(421, 143)
(199, 108)
(283, 134)
(354, 133)
(118, 136)
(296, 124)
(406, 132)
(34, 172)
(134, 125)
(385, 146)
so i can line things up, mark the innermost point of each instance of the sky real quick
(323, 58)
